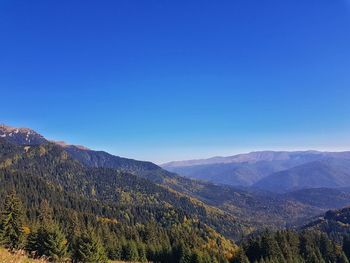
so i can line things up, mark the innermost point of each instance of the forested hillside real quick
(336, 223)
(121, 209)
(55, 199)
(324, 240)
(291, 246)
(257, 209)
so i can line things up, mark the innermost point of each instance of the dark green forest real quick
(54, 206)
(291, 246)
(125, 216)
(81, 240)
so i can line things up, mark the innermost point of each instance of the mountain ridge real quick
(251, 157)
(252, 169)
(258, 208)
(24, 136)
(114, 203)
(329, 172)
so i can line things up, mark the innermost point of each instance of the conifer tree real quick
(49, 241)
(185, 254)
(269, 246)
(142, 255)
(130, 252)
(240, 257)
(73, 230)
(12, 222)
(88, 249)
(196, 258)
(45, 213)
(114, 251)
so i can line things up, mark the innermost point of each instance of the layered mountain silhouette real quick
(273, 171)
(252, 157)
(330, 172)
(229, 210)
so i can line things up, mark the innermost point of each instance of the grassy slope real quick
(7, 257)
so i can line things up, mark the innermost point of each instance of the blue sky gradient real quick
(171, 80)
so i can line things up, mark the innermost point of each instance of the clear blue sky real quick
(168, 80)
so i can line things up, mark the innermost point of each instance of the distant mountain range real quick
(274, 171)
(254, 157)
(329, 172)
(229, 210)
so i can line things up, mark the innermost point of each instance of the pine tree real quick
(114, 251)
(327, 249)
(269, 246)
(293, 246)
(253, 249)
(73, 230)
(49, 241)
(130, 252)
(45, 213)
(196, 258)
(142, 255)
(240, 257)
(88, 249)
(12, 222)
(185, 255)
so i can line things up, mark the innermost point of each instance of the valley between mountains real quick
(140, 211)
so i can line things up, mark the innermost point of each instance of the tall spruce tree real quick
(185, 254)
(240, 257)
(130, 252)
(12, 222)
(49, 241)
(141, 249)
(88, 249)
(269, 246)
